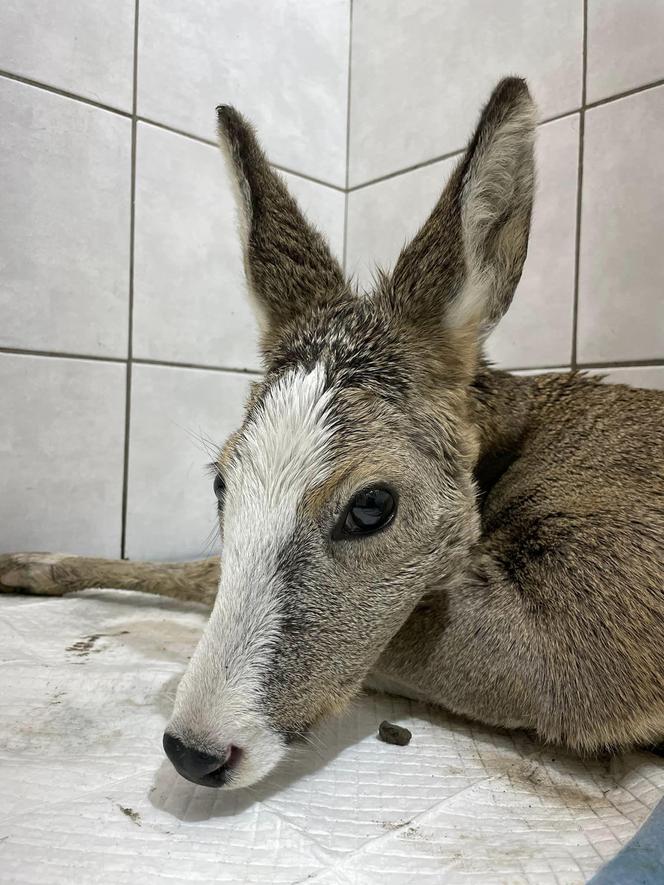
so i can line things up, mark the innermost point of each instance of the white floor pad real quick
(87, 796)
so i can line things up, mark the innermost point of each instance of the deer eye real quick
(368, 511)
(219, 487)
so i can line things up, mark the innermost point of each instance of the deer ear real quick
(461, 269)
(288, 264)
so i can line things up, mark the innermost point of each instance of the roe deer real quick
(397, 513)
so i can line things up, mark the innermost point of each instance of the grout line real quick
(210, 142)
(413, 168)
(130, 323)
(169, 364)
(55, 90)
(200, 366)
(448, 156)
(579, 191)
(320, 181)
(183, 132)
(346, 197)
(561, 116)
(348, 94)
(656, 362)
(624, 364)
(634, 91)
(60, 354)
(562, 367)
(345, 243)
(140, 119)
(63, 93)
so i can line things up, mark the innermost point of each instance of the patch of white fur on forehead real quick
(282, 454)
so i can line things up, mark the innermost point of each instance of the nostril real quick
(234, 756)
(206, 769)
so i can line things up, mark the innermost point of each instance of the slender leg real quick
(53, 574)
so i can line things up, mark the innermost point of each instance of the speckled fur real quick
(522, 581)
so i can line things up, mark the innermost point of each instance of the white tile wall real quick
(178, 416)
(283, 63)
(635, 376)
(419, 72)
(82, 46)
(621, 283)
(61, 455)
(625, 45)
(66, 174)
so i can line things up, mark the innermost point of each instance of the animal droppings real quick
(393, 734)
(133, 816)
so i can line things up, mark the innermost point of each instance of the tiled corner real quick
(190, 298)
(284, 65)
(190, 301)
(65, 169)
(537, 329)
(636, 376)
(421, 71)
(178, 416)
(83, 46)
(625, 45)
(61, 456)
(621, 308)
(383, 217)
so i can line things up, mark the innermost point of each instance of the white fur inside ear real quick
(496, 197)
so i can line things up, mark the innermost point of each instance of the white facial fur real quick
(281, 455)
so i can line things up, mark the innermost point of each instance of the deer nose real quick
(200, 768)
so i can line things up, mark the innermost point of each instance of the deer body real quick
(395, 512)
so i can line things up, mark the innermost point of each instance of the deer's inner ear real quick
(460, 271)
(289, 265)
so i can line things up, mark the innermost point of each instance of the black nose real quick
(200, 768)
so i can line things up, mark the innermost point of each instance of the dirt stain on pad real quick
(133, 816)
(162, 638)
(87, 644)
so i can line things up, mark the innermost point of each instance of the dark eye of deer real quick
(219, 489)
(368, 512)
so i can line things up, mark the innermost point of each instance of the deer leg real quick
(53, 574)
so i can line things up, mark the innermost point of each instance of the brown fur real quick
(522, 582)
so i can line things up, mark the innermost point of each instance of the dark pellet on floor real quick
(393, 734)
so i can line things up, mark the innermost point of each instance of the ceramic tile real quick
(625, 45)
(84, 46)
(421, 72)
(285, 68)
(621, 309)
(635, 376)
(178, 419)
(61, 455)
(64, 217)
